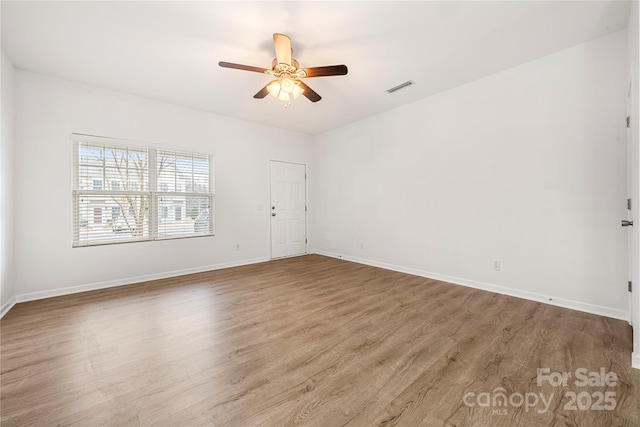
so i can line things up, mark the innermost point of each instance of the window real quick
(115, 213)
(97, 215)
(183, 180)
(146, 184)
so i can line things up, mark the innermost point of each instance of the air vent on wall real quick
(400, 86)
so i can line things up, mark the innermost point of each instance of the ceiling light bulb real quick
(287, 85)
(274, 88)
(284, 96)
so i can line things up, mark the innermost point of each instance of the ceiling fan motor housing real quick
(294, 63)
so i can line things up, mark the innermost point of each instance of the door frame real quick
(634, 193)
(306, 203)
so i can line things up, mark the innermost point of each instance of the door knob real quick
(273, 214)
(626, 223)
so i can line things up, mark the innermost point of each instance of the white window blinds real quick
(184, 196)
(126, 194)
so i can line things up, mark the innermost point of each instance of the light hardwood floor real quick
(309, 341)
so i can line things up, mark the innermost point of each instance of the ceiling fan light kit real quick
(287, 72)
(285, 89)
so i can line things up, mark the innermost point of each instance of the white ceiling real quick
(170, 50)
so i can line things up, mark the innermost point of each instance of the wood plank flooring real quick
(307, 341)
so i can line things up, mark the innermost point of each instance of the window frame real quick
(153, 216)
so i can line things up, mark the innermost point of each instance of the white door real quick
(288, 209)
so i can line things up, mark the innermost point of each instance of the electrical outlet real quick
(496, 264)
(238, 247)
(361, 245)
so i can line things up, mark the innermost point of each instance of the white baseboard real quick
(130, 280)
(548, 299)
(7, 306)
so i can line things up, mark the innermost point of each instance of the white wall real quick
(633, 49)
(527, 165)
(49, 109)
(7, 291)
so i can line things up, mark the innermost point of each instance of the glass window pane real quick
(108, 219)
(115, 157)
(184, 216)
(87, 175)
(183, 172)
(90, 154)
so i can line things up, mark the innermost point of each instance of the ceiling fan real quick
(287, 72)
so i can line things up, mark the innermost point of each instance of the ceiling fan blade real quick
(330, 70)
(263, 92)
(309, 93)
(241, 67)
(282, 45)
